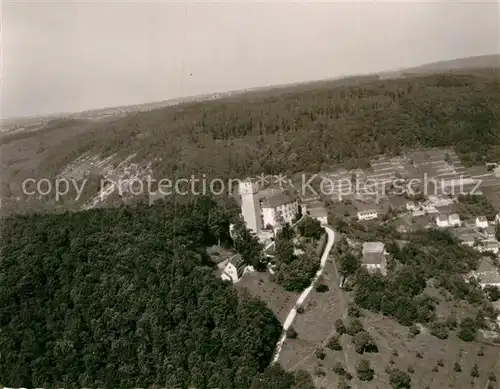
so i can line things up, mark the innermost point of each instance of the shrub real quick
(340, 327)
(364, 342)
(400, 379)
(320, 354)
(339, 369)
(334, 343)
(291, 333)
(475, 371)
(457, 367)
(353, 310)
(468, 330)
(365, 372)
(354, 326)
(321, 288)
(440, 330)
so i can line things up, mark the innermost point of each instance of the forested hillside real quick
(302, 130)
(125, 297)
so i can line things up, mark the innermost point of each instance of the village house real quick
(442, 221)
(481, 222)
(490, 245)
(320, 214)
(374, 257)
(468, 238)
(454, 220)
(486, 274)
(489, 232)
(412, 206)
(429, 207)
(235, 269)
(367, 214)
(367, 211)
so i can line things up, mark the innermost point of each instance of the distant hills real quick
(478, 62)
(458, 64)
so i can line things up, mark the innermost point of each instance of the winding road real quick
(291, 315)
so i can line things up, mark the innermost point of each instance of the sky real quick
(69, 56)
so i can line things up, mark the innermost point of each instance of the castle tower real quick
(250, 206)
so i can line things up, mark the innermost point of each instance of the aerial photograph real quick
(249, 194)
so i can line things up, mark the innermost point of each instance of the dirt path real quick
(291, 315)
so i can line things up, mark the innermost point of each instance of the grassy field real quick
(470, 210)
(421, 355)
(276, 298)
(429, 360)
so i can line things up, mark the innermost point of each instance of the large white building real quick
(264, 207)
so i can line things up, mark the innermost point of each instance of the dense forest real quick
(291, 131)
(126, 297)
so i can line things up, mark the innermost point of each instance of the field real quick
(276, 298)
(429, 359)
(493, 196)
(480, 206)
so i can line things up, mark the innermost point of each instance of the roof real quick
(454, 216)
(467, 236)
(442, 218)
(485, 266)
(373, 247)
(491, 277)
(237, 261)
(490, 230)
(372, 258)
(482, 219)
(489, 244)
(317, 212)
(276, 199)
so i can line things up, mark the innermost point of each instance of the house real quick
(490, 245)
(454, 220)
(368, 214)
(412, 206)
(320, 214)
(374, 257)
(438, 201)
(235, 269)
(489, 232)
(481, 222)
(442, 221)
(486, 274)
(468, 238)
(367, 211)
(429, 207)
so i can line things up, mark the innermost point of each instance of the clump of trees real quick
(364, 343)
(468, 329)
(310, 228)
(400, 379)
(294, 272)
(429, 255)
(364, 370)
(126, 297)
